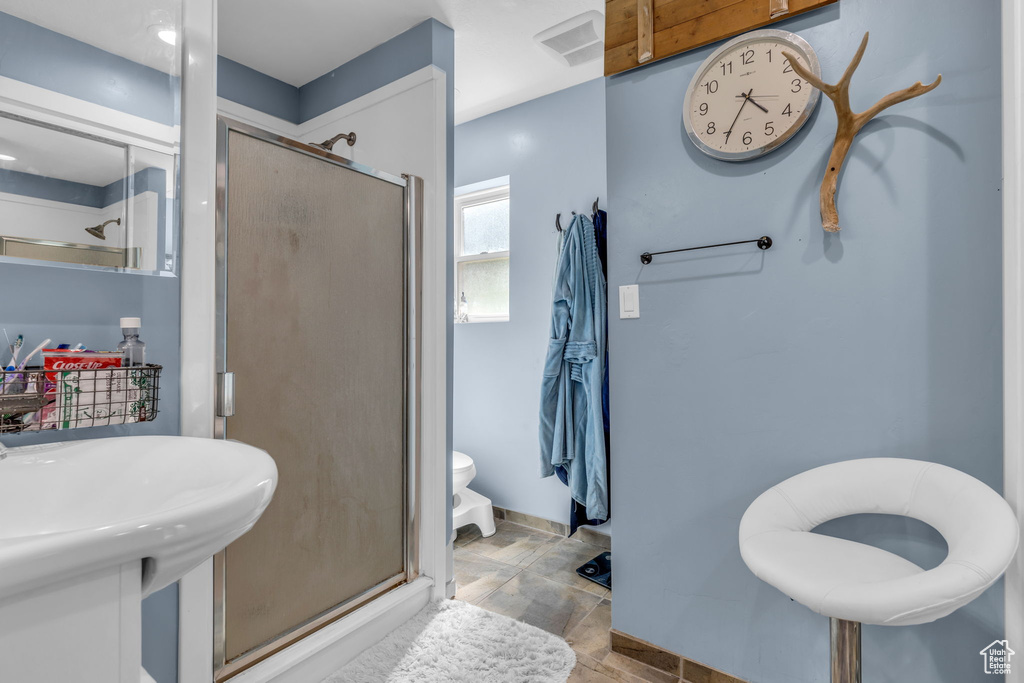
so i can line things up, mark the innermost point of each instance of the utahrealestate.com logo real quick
(997, 657)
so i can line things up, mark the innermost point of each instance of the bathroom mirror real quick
(89, 134)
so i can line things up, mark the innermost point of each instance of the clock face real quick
(745, 99)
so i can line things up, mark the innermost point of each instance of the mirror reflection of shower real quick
(97, 230)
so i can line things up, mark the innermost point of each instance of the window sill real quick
(471, 321)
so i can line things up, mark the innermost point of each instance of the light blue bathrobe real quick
(571, 416)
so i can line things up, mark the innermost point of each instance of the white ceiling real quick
(51, 153)
(497, 62)
(118, 26)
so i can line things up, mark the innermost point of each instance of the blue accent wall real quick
(71, 306)
(51, 60)
(52, 189)
(150, 179)
(398, 57)
(241, 84)
(429, 42)
(747, 367)
(555, 164)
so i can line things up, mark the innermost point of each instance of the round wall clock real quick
(746, 100)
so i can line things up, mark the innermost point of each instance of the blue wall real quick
(429, 42)
(747, 367)
(51, 60)
(244, 85)
(53, 189)
(556, 164)
(398, 57)
(152, 179)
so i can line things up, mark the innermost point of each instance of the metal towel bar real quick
(763, 242)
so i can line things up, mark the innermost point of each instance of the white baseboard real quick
(318, 655)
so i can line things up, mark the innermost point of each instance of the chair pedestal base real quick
(845, 637)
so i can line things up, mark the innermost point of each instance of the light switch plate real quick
(629, 301)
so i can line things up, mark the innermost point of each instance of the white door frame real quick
(1013, 308)
(198, 270)
(315, 656)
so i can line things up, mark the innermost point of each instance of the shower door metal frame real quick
(412, 476)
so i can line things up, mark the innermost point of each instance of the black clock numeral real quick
(797, 85)
(769, 53)
(711, 87)
(703, 108)
(724, 65)
(787, 67)
(769, 129)
(711, 128)
(747, 139)
(727, 134)
(748, 57)
(788, 111)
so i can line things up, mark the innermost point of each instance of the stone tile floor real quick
(530, 575)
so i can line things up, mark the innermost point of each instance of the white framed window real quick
(482, 256)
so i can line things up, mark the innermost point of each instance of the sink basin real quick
(70, 508)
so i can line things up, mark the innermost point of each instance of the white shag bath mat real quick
(454, 642)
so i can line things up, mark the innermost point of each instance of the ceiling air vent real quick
(575, 41)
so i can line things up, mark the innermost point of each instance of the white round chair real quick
(853, 583)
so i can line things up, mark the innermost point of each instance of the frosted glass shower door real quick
(315, 335)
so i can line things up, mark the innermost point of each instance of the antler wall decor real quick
(849, 124)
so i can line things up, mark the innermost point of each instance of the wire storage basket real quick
(34, 399)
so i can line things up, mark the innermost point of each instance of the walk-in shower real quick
(317, 319)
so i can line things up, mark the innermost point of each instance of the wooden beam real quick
(644, 30)
(621, 24)
(682, 25)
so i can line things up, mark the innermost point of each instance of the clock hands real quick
(746, 98)
(754, 102)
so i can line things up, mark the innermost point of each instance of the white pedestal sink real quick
(89, 528)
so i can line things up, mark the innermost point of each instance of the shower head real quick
(97, 230)
(329, 144)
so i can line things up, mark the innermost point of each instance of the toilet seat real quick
(460, 462)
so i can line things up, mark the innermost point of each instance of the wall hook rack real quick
(763, 242)
(558, 221)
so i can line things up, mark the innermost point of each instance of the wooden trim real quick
(533, 522)
(682, 25)
(645, 653)
(695, 672)
(659, 658)
(585, 533)
(589, 535)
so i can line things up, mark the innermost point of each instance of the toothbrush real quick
(12, 380)
(34, 352)
(15, 349)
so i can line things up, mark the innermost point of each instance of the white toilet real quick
(469, 507)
